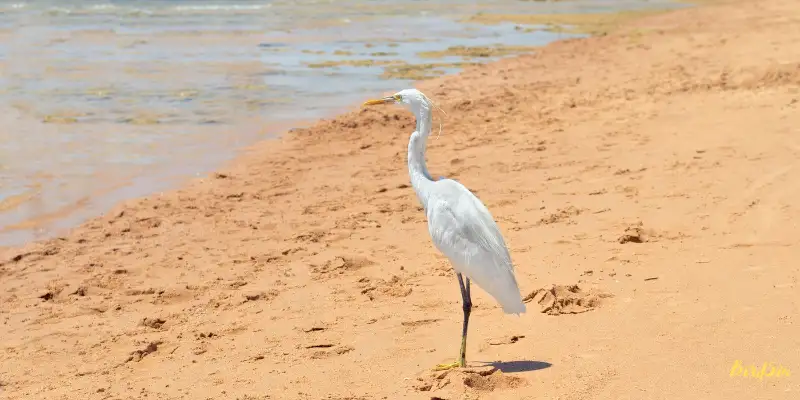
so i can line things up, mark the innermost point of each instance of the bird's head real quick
(412, 99)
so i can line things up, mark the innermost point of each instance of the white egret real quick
(459, 224)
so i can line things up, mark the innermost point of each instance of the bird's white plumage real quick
(463, 229)
(460, 226)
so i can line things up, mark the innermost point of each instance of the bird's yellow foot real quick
(444, 367)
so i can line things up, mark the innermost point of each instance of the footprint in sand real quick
(566, 299)
(328, 350)
(454, 383)
(637, 233)
(505, 340)
(410, 325)
(154, 323)
(564, 214)
(314, 236)
(339, 265)
(377, 288)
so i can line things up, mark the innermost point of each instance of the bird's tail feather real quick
(505, 291)
(515, 309)
(512, 303)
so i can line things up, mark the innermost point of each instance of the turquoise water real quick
(104, 101)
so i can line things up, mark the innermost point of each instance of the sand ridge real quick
(304, 269)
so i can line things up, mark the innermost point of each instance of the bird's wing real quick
(462, 228)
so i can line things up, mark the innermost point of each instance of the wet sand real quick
(644, 181)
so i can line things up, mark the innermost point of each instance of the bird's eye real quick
(398, 97)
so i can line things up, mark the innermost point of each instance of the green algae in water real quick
(140, 120)
(64, 117)
(476, 52)
(351, 63)
(187, 94)
(420, 71)
(251, 86)
(259, 104)
(397, 69)
(59, 119)
(592, 24)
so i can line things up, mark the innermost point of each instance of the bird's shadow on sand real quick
(518, 366)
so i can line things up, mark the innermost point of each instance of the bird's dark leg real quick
(467, 307)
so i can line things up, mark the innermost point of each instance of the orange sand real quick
(646, 180)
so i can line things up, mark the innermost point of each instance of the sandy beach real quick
(643, 181)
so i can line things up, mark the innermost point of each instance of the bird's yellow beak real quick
(385, 100)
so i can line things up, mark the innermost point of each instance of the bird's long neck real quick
(420, 177)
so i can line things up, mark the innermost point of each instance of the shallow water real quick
(104, 101)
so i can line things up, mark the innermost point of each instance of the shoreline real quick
(40, 211)
(607, 162)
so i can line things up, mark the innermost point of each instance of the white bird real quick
(459, 224)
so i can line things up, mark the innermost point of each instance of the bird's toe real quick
(444, 367)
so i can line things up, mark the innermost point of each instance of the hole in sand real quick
(497, 380)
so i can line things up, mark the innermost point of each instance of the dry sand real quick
(645, 180)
